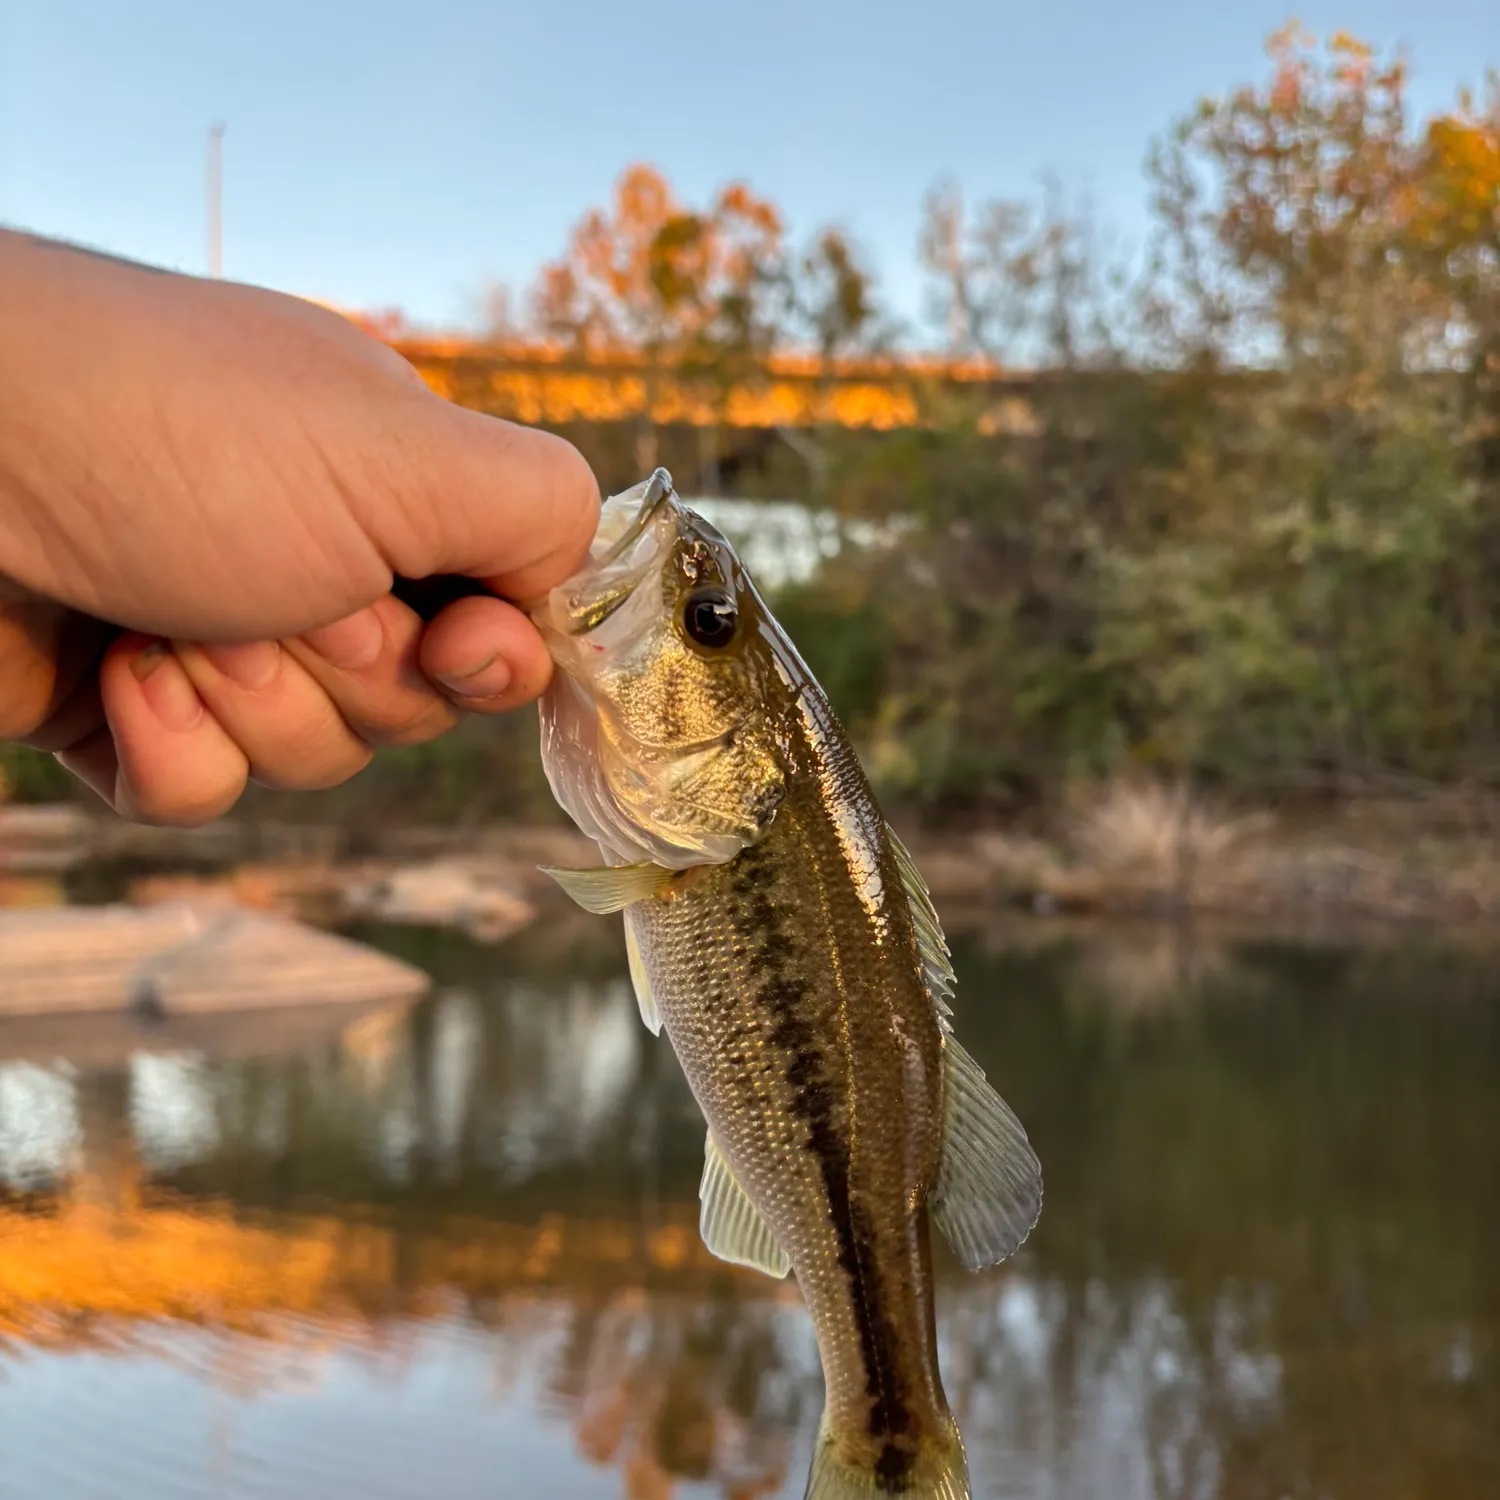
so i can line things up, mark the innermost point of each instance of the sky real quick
(392, 154)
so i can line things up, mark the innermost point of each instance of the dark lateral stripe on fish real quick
(812, 1100)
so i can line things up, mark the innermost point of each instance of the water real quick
(451, 1252)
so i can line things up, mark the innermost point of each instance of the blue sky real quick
(398, 154)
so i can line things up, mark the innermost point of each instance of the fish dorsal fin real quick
(937, 968)
(731, 1225)
(639, 978)
(989, 1186)
(611, 887)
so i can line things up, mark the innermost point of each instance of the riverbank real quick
(1151, 850)
(1123, 850)
(484, 883)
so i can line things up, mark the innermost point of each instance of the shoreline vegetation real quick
(1125, 850)
(1215, 629)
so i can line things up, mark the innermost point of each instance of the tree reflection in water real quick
(1265, 1267)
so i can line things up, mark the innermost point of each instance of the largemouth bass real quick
(781, 935)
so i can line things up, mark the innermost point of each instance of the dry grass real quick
(1149, 847)
(1145, 836)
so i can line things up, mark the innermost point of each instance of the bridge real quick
(553, 386)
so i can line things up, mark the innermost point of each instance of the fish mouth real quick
(659, 492)
(618, 564)
(620, 559)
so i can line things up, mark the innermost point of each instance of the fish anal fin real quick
(989, 1188)
(644, 996)
(730, 1224)
(611, 887)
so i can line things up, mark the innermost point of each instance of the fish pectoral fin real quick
(641, 980)
(989, 1186)
(932, 948)
(731, 1225)
(611, 887)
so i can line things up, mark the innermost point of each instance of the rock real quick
(471, 894)
(180, 959)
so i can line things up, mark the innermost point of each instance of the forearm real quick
(150, 423)
(28, 300)
(72, 328)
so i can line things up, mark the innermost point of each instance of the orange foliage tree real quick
(1455, 230)
(652, 275)
(1297, 209)
(698, 290)
(705, 293)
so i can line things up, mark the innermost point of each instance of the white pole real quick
(214, 195)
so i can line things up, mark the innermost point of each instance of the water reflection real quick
(452, 1249)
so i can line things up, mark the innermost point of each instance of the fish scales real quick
(788, 983)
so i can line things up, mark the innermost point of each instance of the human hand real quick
(232, 478)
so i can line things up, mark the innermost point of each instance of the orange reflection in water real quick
(108, 1264)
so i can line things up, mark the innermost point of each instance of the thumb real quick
(512, 506)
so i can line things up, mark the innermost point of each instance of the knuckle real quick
(302, 746)
(407, 723)
(309, 773)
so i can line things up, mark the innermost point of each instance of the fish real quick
(782, 936)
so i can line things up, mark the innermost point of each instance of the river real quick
(449, 1252)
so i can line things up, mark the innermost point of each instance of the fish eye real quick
(710, 618)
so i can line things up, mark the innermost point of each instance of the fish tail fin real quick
(932, 1469)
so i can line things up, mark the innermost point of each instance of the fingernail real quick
(355, 641)
(251, 665)
(488, 679)
(165, 687)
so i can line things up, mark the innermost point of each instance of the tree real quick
(834, 300)
(1319, 603)
(1455, 235)
(1265, 550)
(695, 289)
(944, 255)
(1017, 282)
(1286, 209)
